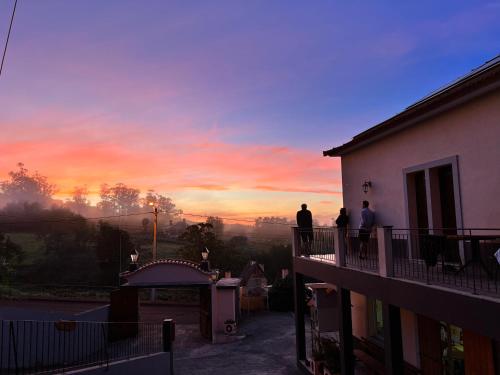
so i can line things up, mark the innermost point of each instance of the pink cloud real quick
(172, 159)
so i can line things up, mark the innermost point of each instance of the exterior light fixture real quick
(214, 275)
(366, 186)
(134, 257)
(205, 264)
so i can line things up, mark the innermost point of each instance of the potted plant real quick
(331, 355)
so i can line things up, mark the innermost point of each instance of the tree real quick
(11, 255)
(25, 187)
(120, 197)
(113, 246)
(217, 225)
(272, 227)
(164, 204)
(145, 224)
(79, 202)
(197, 237)
(275, 259)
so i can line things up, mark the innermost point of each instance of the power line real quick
(8, 36)
(66, 220)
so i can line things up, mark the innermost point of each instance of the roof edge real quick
(443, 99)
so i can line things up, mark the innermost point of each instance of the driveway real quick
(267, 348)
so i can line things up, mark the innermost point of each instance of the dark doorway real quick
(431, 362)
(417, 209)
(447, 198)
(206, 312)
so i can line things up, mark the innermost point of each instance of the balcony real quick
(459, 259)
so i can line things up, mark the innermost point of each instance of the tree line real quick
(72, 248)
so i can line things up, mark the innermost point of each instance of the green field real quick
(32, 247)
(166, 250)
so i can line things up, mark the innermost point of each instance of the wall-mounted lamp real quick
(366, 186)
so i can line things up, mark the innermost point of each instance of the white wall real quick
(471, 131)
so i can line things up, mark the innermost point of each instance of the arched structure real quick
(170, 273)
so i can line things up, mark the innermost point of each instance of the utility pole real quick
(155, 246)
(155, 229)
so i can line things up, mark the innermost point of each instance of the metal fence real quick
(361, 252)
(315, 243)
(459, 258)
(46, 347)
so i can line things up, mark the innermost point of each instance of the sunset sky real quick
(225, 106)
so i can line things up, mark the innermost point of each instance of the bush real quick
(281, 295)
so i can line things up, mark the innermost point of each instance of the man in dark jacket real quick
(305, 224)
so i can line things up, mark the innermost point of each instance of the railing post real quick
(168, 338)
(385, 260)
(339, 246)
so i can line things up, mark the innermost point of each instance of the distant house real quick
(426, 297)
(253, 287)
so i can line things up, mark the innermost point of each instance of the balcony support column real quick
(295, 242)
(385, 258)
(393, 342)
(339, 244)
(345, 332)
(300, 328)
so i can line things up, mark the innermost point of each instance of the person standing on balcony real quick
(365, 229)
(342, 219)
(342, 223)
(305, 224)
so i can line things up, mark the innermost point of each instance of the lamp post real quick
(155, 243)
(205, 263)
(134, 257)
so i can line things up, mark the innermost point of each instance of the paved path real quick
(268, 348)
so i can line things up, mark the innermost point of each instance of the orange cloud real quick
(172, 160)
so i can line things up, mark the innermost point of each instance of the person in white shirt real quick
(365, 228)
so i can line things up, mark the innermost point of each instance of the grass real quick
(80, 293)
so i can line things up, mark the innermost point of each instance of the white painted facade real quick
(465, 136)
(470, 133)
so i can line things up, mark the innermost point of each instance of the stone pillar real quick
(385, 260)
(339, 246)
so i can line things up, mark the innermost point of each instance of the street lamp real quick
(205, 264)
(134, 257)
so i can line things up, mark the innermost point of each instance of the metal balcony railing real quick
(459, 258)
(47, 347)
(361, 252)
(317, 243)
